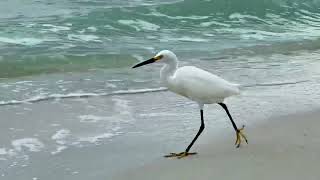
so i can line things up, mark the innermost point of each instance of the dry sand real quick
(286, 147)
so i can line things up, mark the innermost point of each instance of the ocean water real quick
(72, 108)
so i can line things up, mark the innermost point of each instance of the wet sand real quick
(286, 147)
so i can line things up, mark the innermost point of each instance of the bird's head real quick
(164, 56)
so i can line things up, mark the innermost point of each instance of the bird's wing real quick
(198, 83)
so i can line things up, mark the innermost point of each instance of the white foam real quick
(30, 25)
(185, 39)
(157, 114)
(110, 27)
(84, 37)
(60, 135)
(32, 144)
(44, 97)
(122, 107)
(121, 103)
(59, 150)
(207, 24)
(124, 110)
(24, 82)
(96, 139)
(92, 29)
(22, 41)
(11, 152)
(136, 91)
(109, 85)
(54, 28)
(194, 17)
(242, 17)
(140, 25)
(91, 118)
(9, 102)
(3, 151)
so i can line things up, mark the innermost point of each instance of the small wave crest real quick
(274, 83)
(83, 37)
(40, 98)
(22, 41)
(139, 25)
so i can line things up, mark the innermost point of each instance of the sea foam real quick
(91, 118)
(140, 25)
(31, 144)
(60, 135)
(96, 139)
(22, 41)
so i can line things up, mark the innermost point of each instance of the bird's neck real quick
(168, 70)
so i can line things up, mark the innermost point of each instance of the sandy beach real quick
(285, 147)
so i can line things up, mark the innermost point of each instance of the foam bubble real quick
(22, 41)
(54, 28)
(110, 27)
(92, 29)
(209, 23)
(32, 144)
(60, 135)
(96, 139)
(59, 150)
(136, 91)
(185, 38)
(109, 85)
(242, 17)
(140, 25)
(91, 118)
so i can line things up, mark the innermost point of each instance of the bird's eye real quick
(158, 57)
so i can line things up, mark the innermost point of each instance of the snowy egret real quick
(199, 86)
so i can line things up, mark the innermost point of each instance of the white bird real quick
(198, 85)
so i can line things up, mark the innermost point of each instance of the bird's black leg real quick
(199, 132)
(224, 106)
(238, 131)
(186, 152)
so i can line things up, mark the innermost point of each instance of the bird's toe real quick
(240, 136)
(179, 155)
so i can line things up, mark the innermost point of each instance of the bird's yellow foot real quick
(180, 155)
(240, 136)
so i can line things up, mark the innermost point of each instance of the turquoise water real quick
(39, 37)
(72, 108)
(66, 37)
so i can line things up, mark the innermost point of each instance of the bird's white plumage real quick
(194, 83)
(200, 86)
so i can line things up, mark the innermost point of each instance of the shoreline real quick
(285, 147)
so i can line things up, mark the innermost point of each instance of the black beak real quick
(152, 60)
